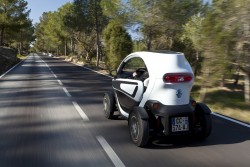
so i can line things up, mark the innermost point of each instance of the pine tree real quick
(118, 44)
(88, 16)
(13, 16)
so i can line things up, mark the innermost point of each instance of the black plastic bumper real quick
(166, 112)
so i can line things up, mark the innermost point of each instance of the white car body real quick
(159, 64)
(152, 90)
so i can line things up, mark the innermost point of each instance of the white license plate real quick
(179, 124)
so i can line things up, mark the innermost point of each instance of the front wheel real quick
(108, 105)
(138, 127)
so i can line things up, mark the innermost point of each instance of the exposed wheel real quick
(205, 121)
(206, 127)
(138, 127)
(108, 105)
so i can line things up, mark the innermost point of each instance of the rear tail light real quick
(177, 77)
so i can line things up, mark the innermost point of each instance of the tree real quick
(118, 44)
(22, 38)
(240, 18)
(87, 15)
(52, 33)
(216, 44)
(117, 10)
(193, 32)
(149, 23)
(46, 32)
(161, 22)
(13, 16)
(63, 31)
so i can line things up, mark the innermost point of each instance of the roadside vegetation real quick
(213, 36)
(16, 32)
(228, 100)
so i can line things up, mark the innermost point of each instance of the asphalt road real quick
(51, 115)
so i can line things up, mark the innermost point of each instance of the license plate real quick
(179, 124)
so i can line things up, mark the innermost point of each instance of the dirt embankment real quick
(8, 57)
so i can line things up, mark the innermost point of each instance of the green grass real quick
(225, 100)
(21, 56)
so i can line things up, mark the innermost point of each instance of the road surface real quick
(51, 115)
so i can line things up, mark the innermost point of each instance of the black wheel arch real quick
(202, 109)
(143, 113)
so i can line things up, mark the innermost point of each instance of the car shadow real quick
(224, 133)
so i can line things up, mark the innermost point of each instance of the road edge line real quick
(87, 68)
(110, 152)
(94, 71)
(12, 68)
(231, 119)
(218, 115)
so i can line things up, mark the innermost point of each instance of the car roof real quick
(163, 51)
(161, 62)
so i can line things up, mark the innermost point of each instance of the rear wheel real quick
(205, 120)
(206, 126)
(138, 127)
(108, 105)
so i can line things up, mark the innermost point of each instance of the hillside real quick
(8, 57)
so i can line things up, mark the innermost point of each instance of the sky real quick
(39, 6)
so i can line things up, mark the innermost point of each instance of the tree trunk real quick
(98, 43)
(196, 63)
(204, 87)
(247, 88)
(203, 93)
(97, 50)
(71, 45)
(222, 82)
(149, 41)
(65, 47)
(19, 47)
(236, 79)
(1, 35)
(246, 84)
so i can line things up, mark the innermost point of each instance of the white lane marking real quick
(110, 152)
(80, 111)
(95, 71)
(232, 120)
(55, 75)
(91, 70)
(11, 68)
(66, 91)
(218, 115)
(60, 82)
(44, 63)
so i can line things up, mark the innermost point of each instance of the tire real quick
(206, 126)
(109, 105)
(203, 114)
(138, 127)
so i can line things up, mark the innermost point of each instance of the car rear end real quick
(169, 100)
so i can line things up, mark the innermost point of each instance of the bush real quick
(118, 44)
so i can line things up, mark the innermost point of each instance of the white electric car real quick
(152, 90)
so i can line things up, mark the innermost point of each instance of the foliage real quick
(52, 35)
(16, 29)
(161, 21)
(118, 44)
(214, 37)
(88, 16)
(219, 38)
